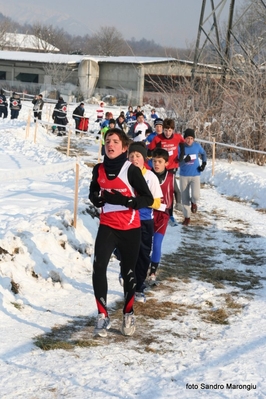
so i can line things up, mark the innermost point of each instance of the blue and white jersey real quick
(155, 188)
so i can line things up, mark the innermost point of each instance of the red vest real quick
(167, 187)
(117, 216)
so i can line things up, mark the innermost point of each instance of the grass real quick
(218, 316)
(17, 305)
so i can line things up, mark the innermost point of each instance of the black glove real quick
(182, 152)
(138, 133)
(159, 145)
(187, 158)
(116, 198)
(202, 167)
(97, 201)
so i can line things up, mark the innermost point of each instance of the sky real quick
(51, 263)
(169, 23)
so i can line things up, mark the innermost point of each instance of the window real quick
(2, 75)
(28, 77)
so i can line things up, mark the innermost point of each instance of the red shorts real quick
(160, 221)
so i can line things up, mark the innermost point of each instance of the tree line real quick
(107, 41)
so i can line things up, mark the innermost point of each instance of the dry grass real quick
(218, 316)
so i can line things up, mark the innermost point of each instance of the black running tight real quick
(128, 243)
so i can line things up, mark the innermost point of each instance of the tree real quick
(108, 41)
(47, 35)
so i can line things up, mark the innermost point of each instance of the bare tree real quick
(47, 35)
(108, 41)
(60, 73)
(5, 25)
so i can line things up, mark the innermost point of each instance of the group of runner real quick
(135, 187)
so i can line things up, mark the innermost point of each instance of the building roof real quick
(22, 41)
(73, 58)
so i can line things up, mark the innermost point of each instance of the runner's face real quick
(159, 129)
(137, 159)
(189, 140)
(113, 146)
(168, 132)
(159, 164)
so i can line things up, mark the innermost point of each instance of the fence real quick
(69, 165)
(70, 129)
(214, 144)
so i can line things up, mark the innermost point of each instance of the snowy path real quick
(186, 350)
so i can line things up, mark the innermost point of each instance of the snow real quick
(72, 58)
(51, 263)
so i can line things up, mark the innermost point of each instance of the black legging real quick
(143, 262)
(128, 243)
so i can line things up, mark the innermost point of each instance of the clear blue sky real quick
(168, 22)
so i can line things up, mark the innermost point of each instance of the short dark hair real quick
(160, 153)
(120, 133)
(168, 123)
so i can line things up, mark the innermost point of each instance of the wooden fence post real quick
(35, 131)
(28, 125)
(100, 149)
(68, 141)
(76, 195)
(213, 155)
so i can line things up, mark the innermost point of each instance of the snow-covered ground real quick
(49, 264)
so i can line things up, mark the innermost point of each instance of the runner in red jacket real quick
(119, 189)
(169, 141)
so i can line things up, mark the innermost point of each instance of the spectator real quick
(3, 105)
(15, 105)
(37, 107)
(60, 116)
(100, 112)
(78, 113)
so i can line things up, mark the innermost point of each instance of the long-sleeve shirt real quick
(170, 145)
(194, 151)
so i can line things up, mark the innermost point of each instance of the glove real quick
(116, 198)
(202, 167)
(159, 145)
(97, 200)
(187, 158)
(182, 152)
(138, 133)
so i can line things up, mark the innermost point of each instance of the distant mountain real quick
(27, 11)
